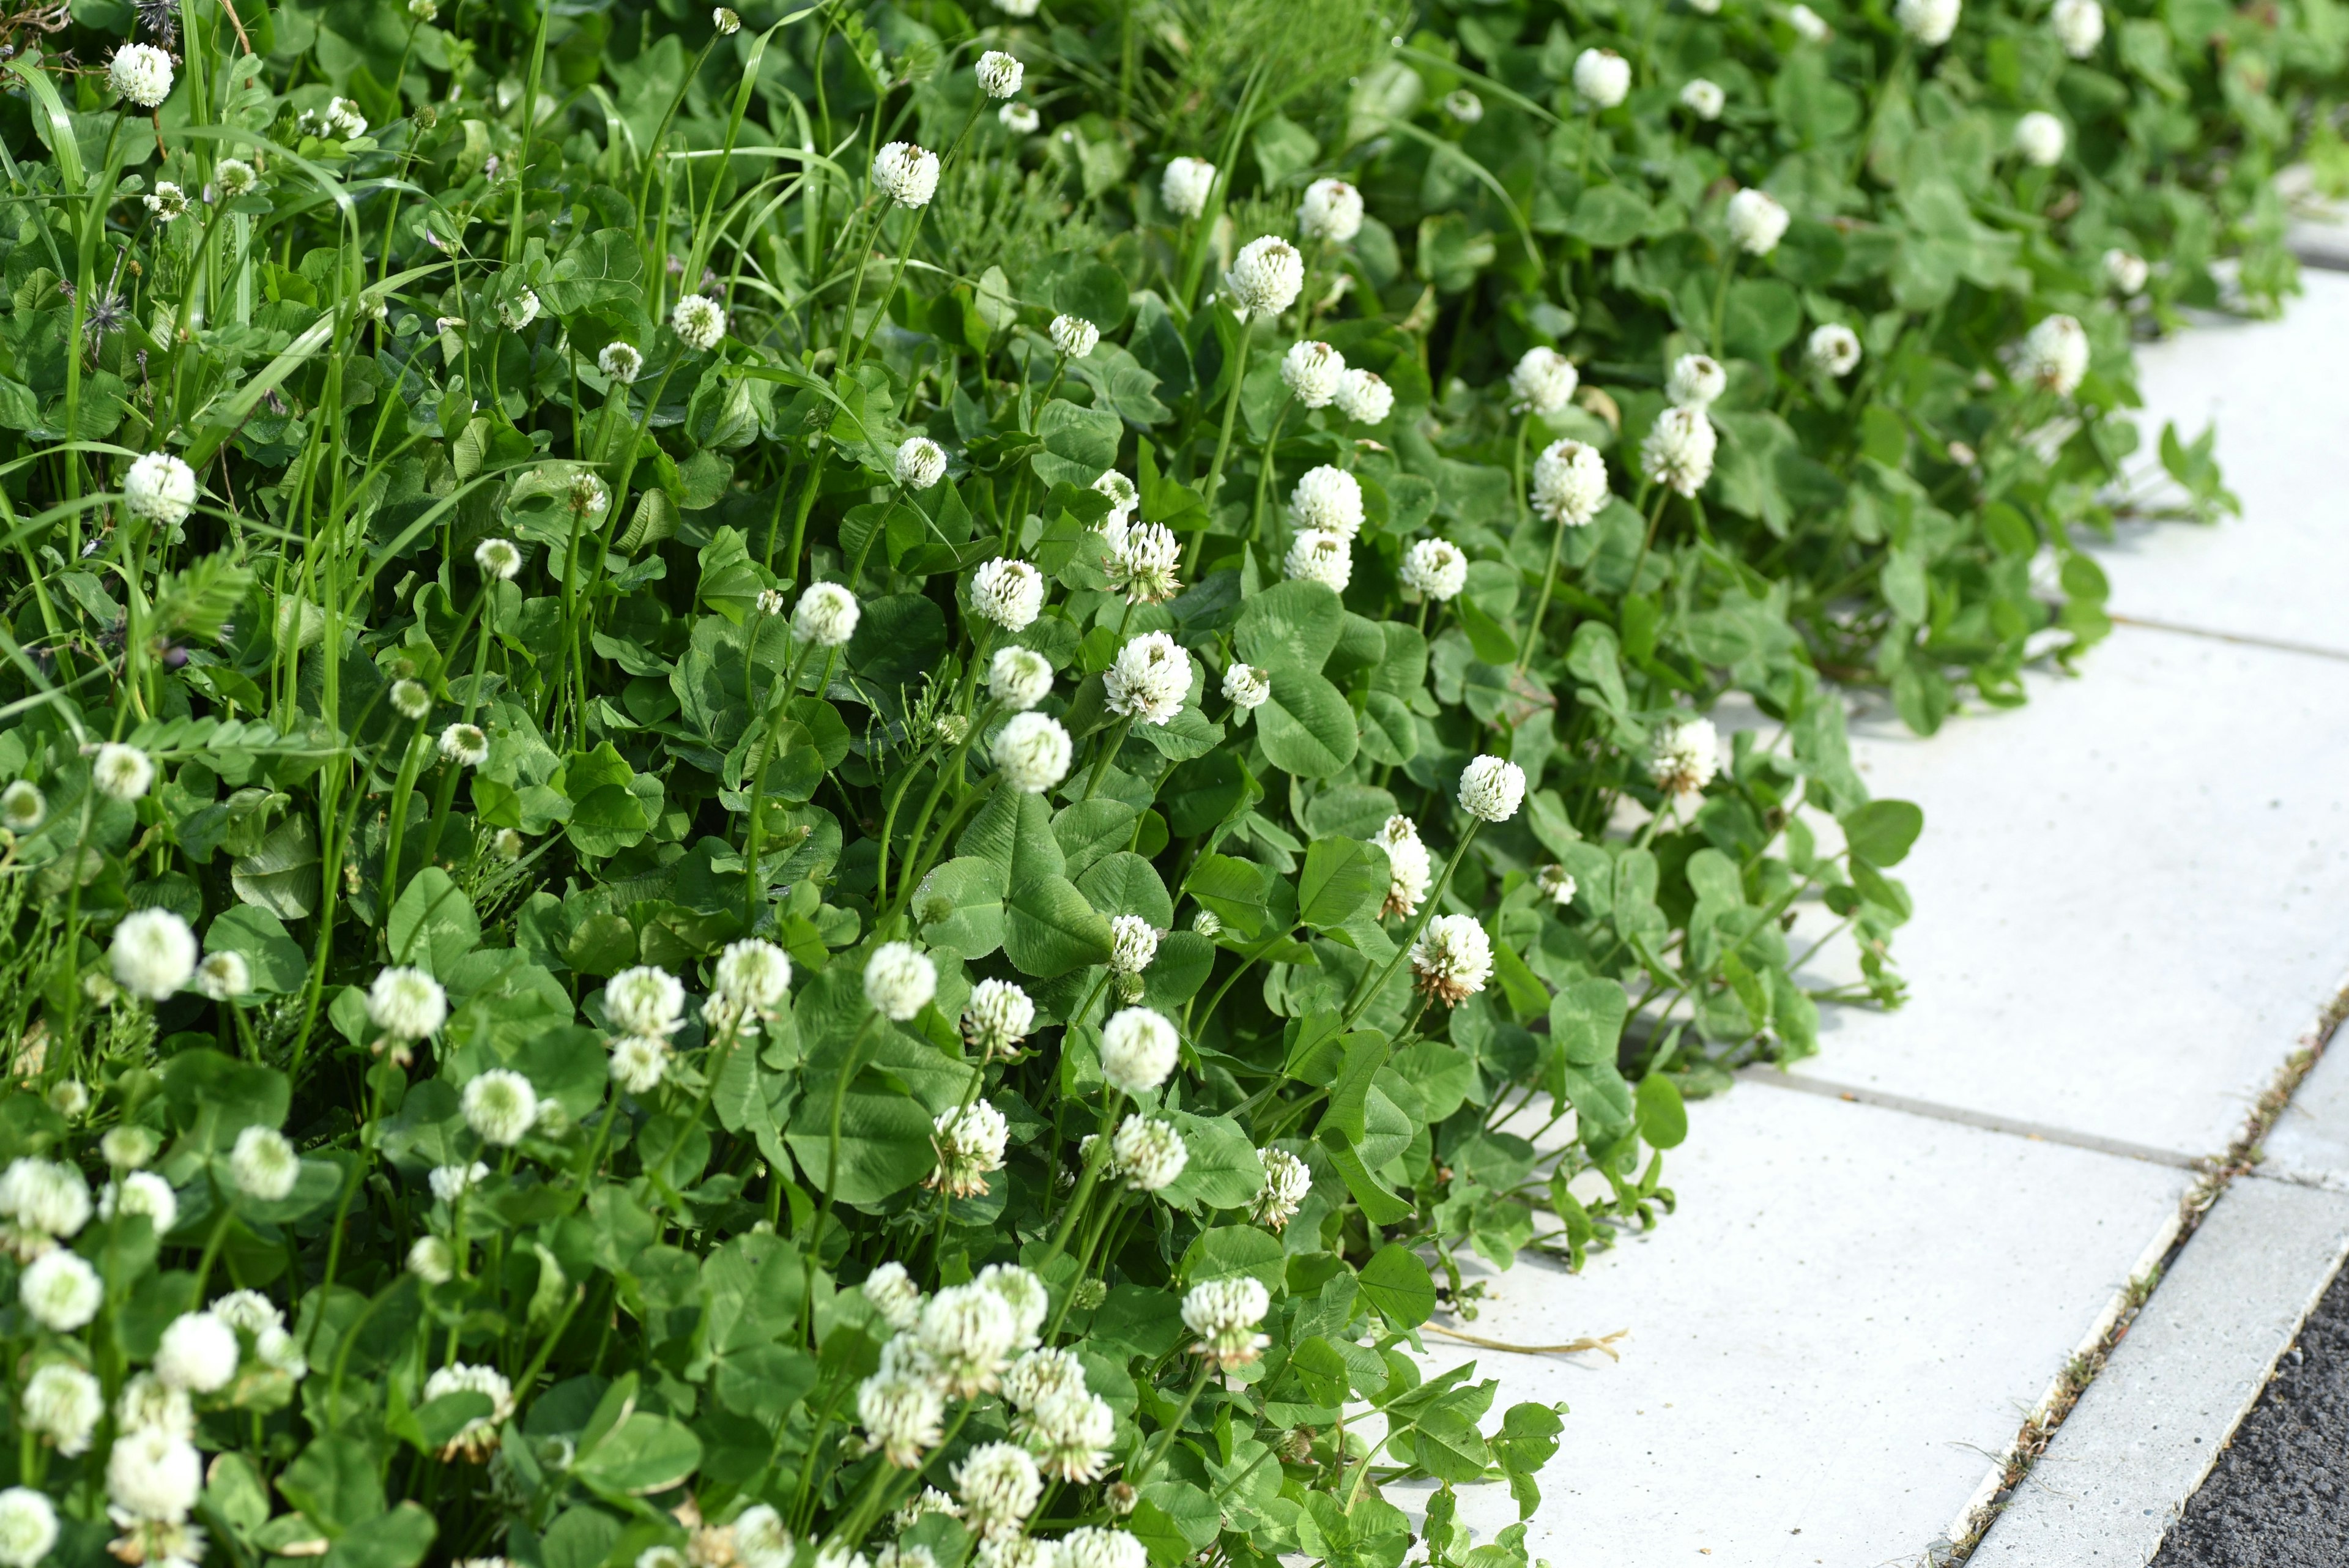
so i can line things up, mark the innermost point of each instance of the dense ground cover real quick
(851, 781)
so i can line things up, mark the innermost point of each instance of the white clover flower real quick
(141, 1193)
(1186, 186)
(69, 1097)
(1703, 99)
(1756, 221)
(407, 1003)
(998, 75)
(998, 1017)
(1434, 569)
(1686, 754)
(969, 1334)
(167, 202)
(1125, 501)
(1020, 119)
(160, 488)
(623, 362)
(969, 1143)
(906, 174)
(1677, 451)
(1930, 22)
(466, 745)
(1287, 1181)
(2124, 270)
(1132, 943)
(1696, 381)
(28, 1526)
(1032, 752)
(899, 982)
(1092, 1546)
(2054, 354)
(1224, 1314)
(1074, 336)
(520, 311)
(121, 772)
(450, 1182)
(1312, 371)
(1266, 278)
(754, 973)
(1007, 592)
(1044, 1373)
(645, 1000)
(1328, 499)
(1543, 382)
(1138, 1048)
(1364, 397)
(263, 1164)
(432, 1260)
(22, 807)
(1570, 483)
(639, 1062)
(1332, 211)
(1833, 350)
(1021, 9)
(1019, 677)
(760, 1540)
(2079, 27)
(1491, 788)
(902, 1414)
(233, 177)
(410, 700)
(827, 617)
(501, 1107)
(198, 1353)
(727, 21)
(500, 559)
(1556, 884)
(146, 1402)
(480, 1437)
(1144, 564)
(1246, 687)
(44, 1196)
(128, 1148)
(1808, 23)
(1409, 867)
(1317, 555)
(1070, 1434)
(141, 73)
(1001, 1487)
(2039, 138)
(1602, 78)
(1150, 679)
(60, 1291)
(698, 322)
(1463, 105)
(892, 1294)
(343, 118)
(153, 954)
(1148, 1153)
(63, 1404)
(1452, 959)
(153, 1474)
(920, 463)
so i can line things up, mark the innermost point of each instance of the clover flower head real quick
(1125, 501)
(1000, 1486)
(1313, 371)
(1009, 593)
(2039, 138)
(450, 1182)
(645, 1000)
(1328, 499)
(63, 1404)
(2125, 271)
(698, 322)
(1032, 752)
(223, 976)
(1930, 22)
(1556, 884)
(726, 20)
(1704, 97)
(1677, 451)
(44, 1198)
(969, 1334)
(1092, 1546)
(1266, 278)
(1042, 1374)
(754, 973)
(479, 1437)
(153, 954)
(233, 177)
(906, 174)
(1570, 483)
(1246, 687)
(1491, 788)
(466, 745)
(1364, 397)
(1132, 943)
(1138, 1048)
(2054, 355)
(407, 1003)
(501, 1107)
(902, 1412)
(1144, 564)
(997, 1018)
(1685, 756)
(59, 1291)
(1225, 1313)
(1186, 186)
(1318, 555)
(140, 73)
(167, 202)
(1287, 1181)
(1148, 1153)
(892, 1294)
(1452, 959)
(1018, 678)
(1150, 678)
(826, 615)
(622, 362)
(1409, 867)
(2079, 25)
(28, 1526)
(153, 1474)
(1809, 24)
(432, 1260)
(969, 1141)
(920, 463)
(1696, 381)
(1074, 336)
(899, 982)
(1833, 350)
(1756, 221)
(1602, 78)
(1434, 569)
(1463, 105)
(520, 311)
(639, 1062)
(121, 772)
(263, 1164)
(1020, 119)
(1544, 381)
(1332, 211)
(160, 488)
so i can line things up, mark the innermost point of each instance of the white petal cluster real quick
(59, 1290)
(698, 322)
(64, 1405)
(153, 1475)
(2039, 138)
(969, 1141)
(147, 1401)
(479, 1435)
(1018, 678)
(1246, 687)
(1332, 211)
(760, 1540)
(1318, 555)
(639, 1062)
(623, 362)
(1150, 678)
(2054, 354)
(645, 1000)
(1092, 1546)
(1313, 371)
(1124, 500)
(1436, 569)
(1463, 105)
(1138, 1049)
(121, 772)
(969, 1334)
(2079, 25)
(826, 615)
(263, 1164)
(1020, 119)
(1809, 25)
(1074, 336)
(466, 745)
(1409, 867)
(28, 1527)
(1452, 959)
(1601, 77)
(407, 1003)
(1677, 451)
(894, 1297)
(520, 311)
(1224, 1314)
(1148, 1153)
(43, 1201)
(1328, 499)
(1186, 186)
(197, 1353)
(1070, 1433)
(1032, 752)
(452, 1181)
(1287, 1181)
(160, 487)
(1132, 943)
(997, 1018)
(140, 73)
(1543, 382)
(1833, 350)
(1756, 221)
(499, 558)
(1703, 99)
(153, 954)
(1265, 277)
(906, 174)
(920, 463)
(999, 73)
(1000, 1486)
(1491, 788)
(1686, 754)
(1556, 884)
(432, 1260)
(1144, 564)
(901, 1407)
(2125, 271)
(1696, 381)
(500, 1105)
(1044, 1373)
(22, 807)
(1930, 22)
(899, 982)
(754, 974)
(1570, 483)
(1364, 397)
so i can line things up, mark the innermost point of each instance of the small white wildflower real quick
(154, 1475)
(198, 1353)
(22, 807)
(1092, 1546)
(906, 174)
(1132, 943)
(44, 1198)
(2124, 271)
(1833, 350)
(1020, 119)
(903, 1413)
(263, 1164)
(60, 1291)
(1265, 277)
(1287, 1181)
(1570, 483)
(1149, 1154)
(1409, 867)
(410, 700)
(1018, 678)
(501, 1107)
(969, 1142)
(233, 177)
(2039, 138)
(1224, 1314)
(1463, 105)
(1602, 78)
(450, 1182)
(28, 1527)
(466, 745)
(432, 1260)
(2054, 354)
(1543, 382)
(920, 463)
(479, 1438)
(1491, 788)
(1332, 211)
(1677, 451)
(1138, 1049)
(1703, 99)
(128, 1148)
(1149, 679)
(639, 1062)
(1124, 500)
(1452, 959)
(1696, 381)
(894, 1297)
(63, 1404)
(999, 1016)
(1434, 569)
(121, 772)
(899, 982)
(755, 973)
(1186, 186)
(1043, 1374)
(1930, 22)
(1246, 687)
(969, 1334)
(1364, 397)
(167, 202)
(1808, 23)
(623, 362)
(728, 21)
(520, 311)
(153, 954)
(1074, 336)
(407, 1003)
(140, 73)
(1143, 564)
(1317, 555)
(1686, 755)
(1001, 1487)
(827, 617)
(698, 322)
(160, 488)
(1328, 499)
(2079, 27)
(1556, 884)
(1032, 752)
(498, 558)
(1009, 593)
(141, 1193)
(1756, 221)
(645, 1000)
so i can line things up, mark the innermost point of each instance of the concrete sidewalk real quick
(2128, 897)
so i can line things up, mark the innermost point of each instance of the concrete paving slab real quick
(1853, 1309)
(2310, 1141)
(2145, 1432)
(2128, 896)
(2278, 572)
